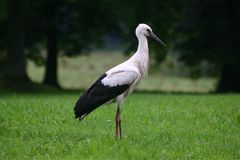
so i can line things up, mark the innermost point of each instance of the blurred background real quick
(67, 44)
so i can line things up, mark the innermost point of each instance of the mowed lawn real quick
(155, 126)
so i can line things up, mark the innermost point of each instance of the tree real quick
(3, 26)
(67, 26)
(15, 61)
(52, 52)
(210, 32)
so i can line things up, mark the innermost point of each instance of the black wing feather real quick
(95, 96)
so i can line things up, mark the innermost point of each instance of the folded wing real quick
(106, 88)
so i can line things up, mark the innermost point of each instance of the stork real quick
(119, 81)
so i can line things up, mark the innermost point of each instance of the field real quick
(80, 72)
(160, 121)
(155, 126)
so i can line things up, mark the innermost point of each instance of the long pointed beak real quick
(156, 38)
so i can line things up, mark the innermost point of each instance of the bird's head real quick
(143, 29)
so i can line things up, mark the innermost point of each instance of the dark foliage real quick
(200, 31)
(209, 31)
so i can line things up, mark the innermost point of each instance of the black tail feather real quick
(95, 96)
(82, 107)
(87, 103)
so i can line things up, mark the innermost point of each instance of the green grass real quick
(155, 126)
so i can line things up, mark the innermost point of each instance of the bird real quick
(118, 82)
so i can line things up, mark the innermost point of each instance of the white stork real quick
(118, 82)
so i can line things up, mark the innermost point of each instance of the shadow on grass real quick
(35, 88)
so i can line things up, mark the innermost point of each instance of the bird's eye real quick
(148, 30)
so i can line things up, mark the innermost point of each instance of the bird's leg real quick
(116, 119)
(118, 123)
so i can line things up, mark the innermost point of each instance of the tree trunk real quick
(230, 79)
(15, 60)
(52, 53)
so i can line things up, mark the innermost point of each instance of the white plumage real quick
(118, 82)
(120, 78)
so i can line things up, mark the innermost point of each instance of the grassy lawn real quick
(41, 124)
(155, 126)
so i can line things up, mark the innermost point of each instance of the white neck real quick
(141, 57)
(142, 44)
